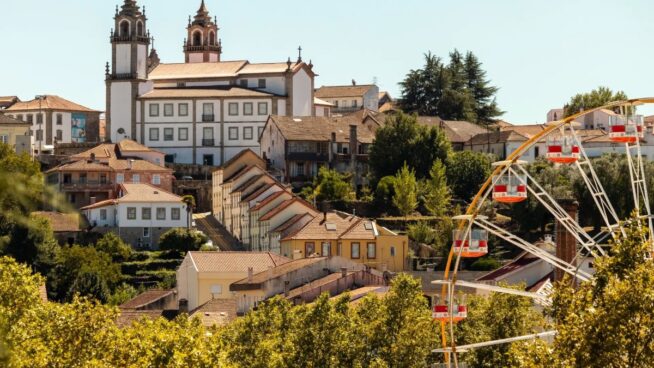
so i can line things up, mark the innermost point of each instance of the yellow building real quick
(351, 237)
(204, 276)
(15, 133)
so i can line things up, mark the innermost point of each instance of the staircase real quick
(220, 237)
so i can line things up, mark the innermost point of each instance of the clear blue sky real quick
(538, 52)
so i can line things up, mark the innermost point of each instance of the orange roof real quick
(145, 298)
(343, 91)
(235, 261)
(258, 191)
(49, 102)
(320, 128)
(282, 206)
(144, 192)
(128, 145)
(197, 70)
(105, 150)
(269, 199)
(319, 229)
(229, 91)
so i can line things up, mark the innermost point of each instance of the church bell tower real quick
(202, 44)
(130, 43)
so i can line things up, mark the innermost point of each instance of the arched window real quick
(139, 28)
(212, 38)
(124, 28)
(197, 38)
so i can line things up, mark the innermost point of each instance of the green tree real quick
(590, 100)
(605, 322)
(182, 240)
(436, 192)
(114, 246)
(330, 185)
(482, 92)
(495, 317)
(405, 197)
(421, 232)
(466, 172)
(401, 140)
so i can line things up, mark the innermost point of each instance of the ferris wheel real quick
(511, 183)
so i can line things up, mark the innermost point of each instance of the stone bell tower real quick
(202, 44)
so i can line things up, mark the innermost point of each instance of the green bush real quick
(485, 264)
(132, 268)
(182, 240)
(422, 233)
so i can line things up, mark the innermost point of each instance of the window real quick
(262, 83)
(169, 159)
(392, 251)
(30, 118)
(182, 134)
(326, 249)
(335, 103)
(146, 213)
(244, 83)
(169, 109)
(354, 103)
(156, 179)
(103, 178)
(60, 135)
(146, 232)
(175, 214)
(247, 132)
(183, 109)
(207, 136)
(233, 133)
(120, 178)
(39, 119)
(233, 108)
(207, 159)
(344, 103)
(82, 178)
(103, 214)
(131, 213)
(207, 112)
(161, 213)
(154, 134)
(536, 152)
(154, 109)
(169, 134)
(309, 249)
(247, 108)
(355, 250)
(372, 250)
(4, 139)
(136, 178)
(60, 119)
(263, 108)
(19, 117)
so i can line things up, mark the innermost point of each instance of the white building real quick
(140, 214)
(203, 111)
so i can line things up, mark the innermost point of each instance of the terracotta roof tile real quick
(197, 70)
(231, 91)
(342, 91)
(277, 271)
(269, 199)
(320, 128)
(282, 206)
(316, 229)
(144, 192)
(6, 120)
(216, 312)
(243, 187)
(127, 317)
(290, 222)
(262, 188)
(235, 261)
(49, 102)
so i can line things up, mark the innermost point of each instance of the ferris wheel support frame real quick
(478, 200)
(639, 184)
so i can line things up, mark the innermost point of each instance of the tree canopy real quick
(402, 140)
(595, 98)
(466, 172)
(405, 198)
(459, 90)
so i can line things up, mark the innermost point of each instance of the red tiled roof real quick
(235, 261)
(49, 102)
(282, 206)
(343, 91)
(257, 192)
(269, 199)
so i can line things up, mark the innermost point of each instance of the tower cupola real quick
(202, 44)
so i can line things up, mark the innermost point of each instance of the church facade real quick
(203, 111)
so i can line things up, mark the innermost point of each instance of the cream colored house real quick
(257, 231)
(15, 133)
(278, 216)
(204, 276)
(251, 200)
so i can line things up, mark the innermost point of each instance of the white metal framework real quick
(511, 180)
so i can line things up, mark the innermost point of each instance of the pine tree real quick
(482, 92)
(437, 196)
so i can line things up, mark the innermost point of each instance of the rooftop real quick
(320, 128)
(343, 91)
(139, 193)
(216, 92)
(145, 298)
(336, 226)
(266, 274)
(216, 312)
(235, 261)
(49, 102)
(223, 69)
(6, 120)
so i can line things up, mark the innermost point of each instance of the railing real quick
(346, 109)
(202, 48)
(79, 184)
(208, 118)
(208, 142)
(116, 38)
(124, 76)
(307, 156)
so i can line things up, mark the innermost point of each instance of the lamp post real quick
(40, 98)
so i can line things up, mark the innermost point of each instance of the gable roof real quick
(49, 102)
(247, 183)
(216, 312)
(290, 222)
(316, 229)
(258, 191)
(496, 137)
(6, 120)
(264, 275)
(282, 206)
(269, 199)
(144, 192)
(235, 261)
(241, 154)
(320, 128)
(343, 91)
(214, 92)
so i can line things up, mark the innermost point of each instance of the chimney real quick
(183, 306)
(343, 271)
(129, 164)
(353, 140)
(250, 274)
(566, 244)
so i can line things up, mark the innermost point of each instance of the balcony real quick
(116, 38)
(203, 48)
(208, 118)
(308, 156)
(342, 157)
(87, 184)
(208, 142)
(123, 76)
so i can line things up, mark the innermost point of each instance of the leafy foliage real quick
(457, 91)
(466, 172)
(436, 197)
(114, 246)
(330, 185)
(402, 140)
(405, 197)
(182, 240)
(595, 98)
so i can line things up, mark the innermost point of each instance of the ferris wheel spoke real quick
(558, 212)
(533, 249)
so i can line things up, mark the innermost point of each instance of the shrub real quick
(182, 240)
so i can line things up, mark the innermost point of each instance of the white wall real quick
(94, 218)
(182, 155)
(121, 110)
(281, 107)
(163, 143)
(255, 110)
(302, 101)
(175, 118)
(122, 220)
(123, 58)
(272, 144)
(141, 61)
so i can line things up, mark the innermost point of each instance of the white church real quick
(203, 111)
